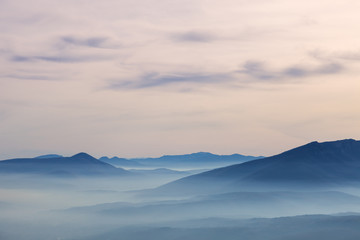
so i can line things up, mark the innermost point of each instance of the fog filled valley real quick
(310, 192)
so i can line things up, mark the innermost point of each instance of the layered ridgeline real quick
(81, 164)
(228, 205)
(194, 160)
(312, 165)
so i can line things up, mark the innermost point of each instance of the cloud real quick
(63, 51)
(156, 80)
(60, 58)
(29, 77)
(349, 55)
(324, 69)
(96, 42)
(18, 58)
(90, 42)
(258, 70)
(251, 72)
(193, 36)
(337, 55)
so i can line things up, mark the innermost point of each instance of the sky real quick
(153, 77)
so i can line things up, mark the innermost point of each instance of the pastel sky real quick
(137, 78)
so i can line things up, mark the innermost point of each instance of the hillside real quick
(314, 164)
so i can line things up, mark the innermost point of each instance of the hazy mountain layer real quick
(194, 160)
(80, 164)
(234, 205)
(121, 162)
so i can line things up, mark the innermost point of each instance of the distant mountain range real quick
(121, 162)
(84, 164)
(194, 160)
(314, 164)
(81, 164)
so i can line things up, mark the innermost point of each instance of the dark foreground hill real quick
(81, 164)
(312, 165)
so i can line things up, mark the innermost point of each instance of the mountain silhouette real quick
(50, 156)
(313, 164)
(202, 160)
(194, 160)
(121, 162)
(81, 164)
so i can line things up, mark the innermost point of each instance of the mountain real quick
(81, 164)
(314, 164)
(50, 156)
(120, 162)
(194, 160)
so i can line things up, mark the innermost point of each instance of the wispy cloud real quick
(67, 49)
(156, 80)
(30, 77)
(60, 58)
(259, 71)
(96, 42)
(250, 72)
(351, 55)
(348, 55)
(90, 42)
(194, 36)
(328, 68)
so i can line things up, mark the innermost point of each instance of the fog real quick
(128, 207)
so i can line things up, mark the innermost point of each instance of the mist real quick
(279, 197)
(42, 208)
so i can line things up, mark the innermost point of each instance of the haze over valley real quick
(314, 190)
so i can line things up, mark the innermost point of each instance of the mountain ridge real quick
(80, 164)
(193, 160)
(314, 164)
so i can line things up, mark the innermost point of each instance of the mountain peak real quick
(323, 147)
(349, 141)
(202, 154)
(337, 142)
(50, 156)
(83, 155)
